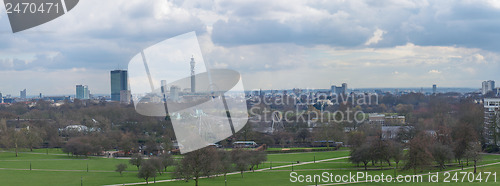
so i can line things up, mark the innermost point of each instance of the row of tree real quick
(29, 137)
(205, 162)
(422, 151)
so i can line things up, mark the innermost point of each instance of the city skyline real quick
(427, 89)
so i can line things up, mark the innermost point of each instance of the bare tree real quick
(225, 165)
(240, 159)
(166, 161)
(303, 134)
(33, 137)
(463, 134)
(120, 168)
(419, 154)
(136, 160)
(157, 163)
(256, 157)
(198, 163)
(147, 170)
(12, 138)
(473, 153)
(83, 145)
(127, 142)
(441, 154)
(361, 154)
(396, 151)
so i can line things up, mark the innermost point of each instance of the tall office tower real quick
(79, 92)
(119, 82)
(344, 88)
(23, 94)
(1, 98)
(434, 88)
(487, 86)
(333, 89)
(82, 92)
(192, 75)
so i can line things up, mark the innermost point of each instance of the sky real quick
(279, 44)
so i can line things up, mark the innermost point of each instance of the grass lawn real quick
(56, 168)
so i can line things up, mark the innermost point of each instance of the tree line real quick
(206, 162)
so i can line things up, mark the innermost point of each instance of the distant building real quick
(174, 92)
(487, 86)
(434, 88)
(23, 94)
(255, 93)
(491, 115)
(193, 79)
(339, 90)
(382, 119)
(82, 92)
(395, 120)
(119, 82)
(375, 118)
(79, 91)
(125, 96)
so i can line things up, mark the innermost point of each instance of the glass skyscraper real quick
(118, 83)
(82, 92)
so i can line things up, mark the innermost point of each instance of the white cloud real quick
(469, 70)
(494, 3)
(377, 36)
(434, 72)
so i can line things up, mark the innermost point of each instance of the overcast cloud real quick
(275, 44)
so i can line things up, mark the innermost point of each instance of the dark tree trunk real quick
(16, 149)
(475, 163)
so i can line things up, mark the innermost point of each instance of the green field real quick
(57, 168)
